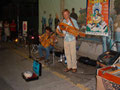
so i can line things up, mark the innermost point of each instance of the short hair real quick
(73, 9)
(65, 10)
(48, 28)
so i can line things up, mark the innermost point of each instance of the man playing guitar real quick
(69, 41)
(47, 41)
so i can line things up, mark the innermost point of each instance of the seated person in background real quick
(47, 43)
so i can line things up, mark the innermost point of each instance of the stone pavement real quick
(84, 78)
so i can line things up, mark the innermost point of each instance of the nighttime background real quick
(20, 10)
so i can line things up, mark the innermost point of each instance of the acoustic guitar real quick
(48, 40)
(72, 30)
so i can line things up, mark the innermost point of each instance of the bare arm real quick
(59, 33)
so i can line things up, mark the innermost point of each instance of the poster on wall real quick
(97, 17)
(24, 28)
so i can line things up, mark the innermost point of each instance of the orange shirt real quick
(12, 27)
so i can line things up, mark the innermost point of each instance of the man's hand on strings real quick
(66, 28)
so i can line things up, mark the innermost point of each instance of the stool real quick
(53, 56)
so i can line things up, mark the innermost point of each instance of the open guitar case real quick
(33, 75)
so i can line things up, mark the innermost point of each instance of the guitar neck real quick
(72, 30)
(82, 34)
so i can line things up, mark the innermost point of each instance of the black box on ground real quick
(33, 75)
(108, 58)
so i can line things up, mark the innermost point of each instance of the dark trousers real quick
(13, 35)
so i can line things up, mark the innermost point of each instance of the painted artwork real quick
(97, 17)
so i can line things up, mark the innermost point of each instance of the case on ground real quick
(33, 75)
(109, 57)
(87, 60)
(108, 77)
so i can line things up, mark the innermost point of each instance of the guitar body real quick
(72, 30)
(47, 41)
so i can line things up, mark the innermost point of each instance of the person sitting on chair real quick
(47, 43)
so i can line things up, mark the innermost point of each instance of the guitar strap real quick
(72, 22)
(50, 35)
(73, 26)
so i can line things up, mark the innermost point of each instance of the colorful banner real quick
(97, 17)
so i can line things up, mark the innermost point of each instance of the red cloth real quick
(12, 27)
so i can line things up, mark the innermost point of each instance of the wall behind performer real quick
(69, 42)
